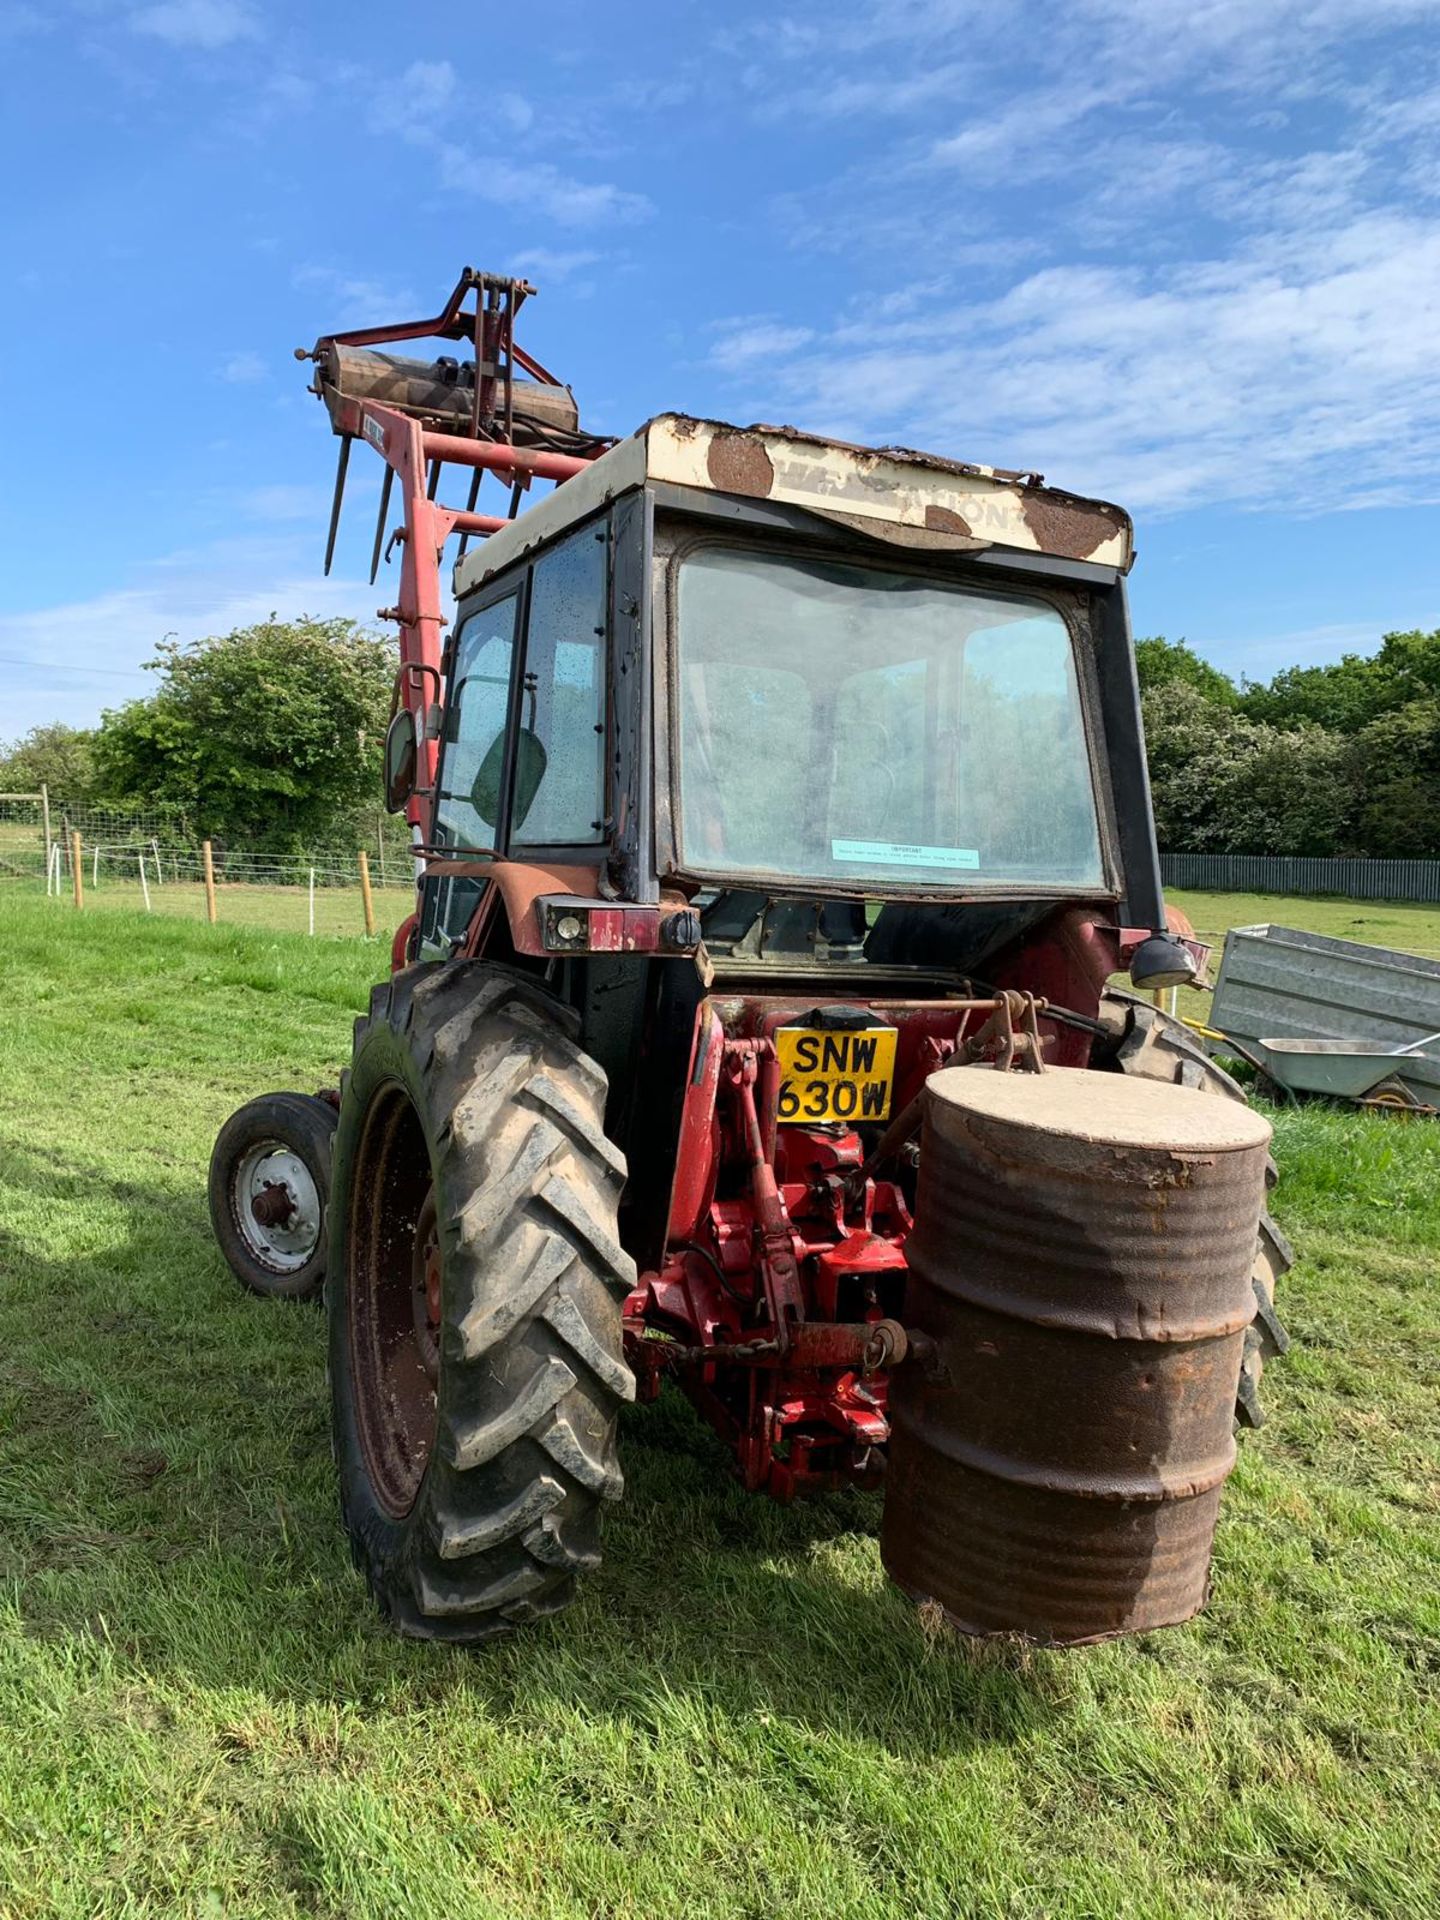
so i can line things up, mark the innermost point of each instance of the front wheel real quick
(270, 1191)
(474, 1297)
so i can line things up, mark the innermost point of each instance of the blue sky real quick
(1182, 253)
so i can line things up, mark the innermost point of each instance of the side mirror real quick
(401, 760)
(531, 761)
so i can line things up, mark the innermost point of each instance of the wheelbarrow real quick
(1341, 1070)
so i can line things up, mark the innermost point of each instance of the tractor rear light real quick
(565, 923)
(565, 928)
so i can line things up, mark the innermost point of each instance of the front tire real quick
(474, 1297)
(269, 1193)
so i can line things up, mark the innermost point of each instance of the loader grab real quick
(781, 821)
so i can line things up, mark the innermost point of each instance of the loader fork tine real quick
(381, 518)
(341, 469)
(477, 475)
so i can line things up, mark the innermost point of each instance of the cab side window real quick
(467, 812)
(559, 782)
(472, 752)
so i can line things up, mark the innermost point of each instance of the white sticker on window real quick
(886, 853)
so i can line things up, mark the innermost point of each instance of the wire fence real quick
(151, 859)
(138, 861)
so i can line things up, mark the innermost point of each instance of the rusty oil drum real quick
(1082, 1259)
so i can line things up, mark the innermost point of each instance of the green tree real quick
(1398, 764)
(55, 756)
(1350, 693)
(1164, 663)
(1224, 783)
(271, 735)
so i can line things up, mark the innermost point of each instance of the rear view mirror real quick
(531, 761)
(401, 759)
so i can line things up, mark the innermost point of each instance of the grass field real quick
(199, 1714)
(1381, 923)
(338, 910)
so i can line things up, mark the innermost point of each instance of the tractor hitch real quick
(865, 1347)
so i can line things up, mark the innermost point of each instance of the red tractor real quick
(780, 819)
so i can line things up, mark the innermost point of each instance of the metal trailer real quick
(1332, 1016)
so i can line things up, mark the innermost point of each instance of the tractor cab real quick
(787, 683)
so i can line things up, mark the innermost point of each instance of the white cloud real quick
(407, 104)
(885, 57)
(1183, 251)
(415, 108)
(244, 368)
(541, 188)
(515, 110)
(742, 343)
(206, 25)
(640, 94)
(548, 263)
(191, 595)
(1016, 135)
(1299, 372)
(351, 300)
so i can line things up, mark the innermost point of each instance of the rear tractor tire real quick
(1152, 1045)
(474, 1297)
(270, 1193)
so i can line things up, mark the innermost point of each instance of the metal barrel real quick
(1082, 1259)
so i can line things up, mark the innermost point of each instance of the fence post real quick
(159, 864)
(95, 866)
(365, 894)
(209, 881)
(76, 872)
(312, 903)
(144, 884)
(45, 821)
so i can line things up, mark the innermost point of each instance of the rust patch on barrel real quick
(739, 463)
(1056, 1472)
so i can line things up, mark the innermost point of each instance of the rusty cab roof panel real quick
(916, 497)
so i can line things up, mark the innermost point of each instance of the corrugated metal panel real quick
(1281, 983)
(1294, 873)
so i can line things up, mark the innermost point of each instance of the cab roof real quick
(956, 505)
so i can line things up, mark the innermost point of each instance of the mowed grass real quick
(199, 1713)
(338, 910)
(1408, 925)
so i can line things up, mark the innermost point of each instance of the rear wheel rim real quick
(394, 1266)
(276, 1206)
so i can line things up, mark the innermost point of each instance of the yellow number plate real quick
(829, 1075)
